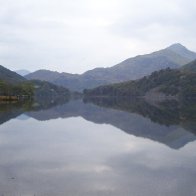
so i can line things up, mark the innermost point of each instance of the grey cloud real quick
(78, 35)
(175, 16)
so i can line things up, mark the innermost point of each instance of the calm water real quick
(98, 148)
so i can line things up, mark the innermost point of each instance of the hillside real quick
(10, 76)
(190, 67)
(167, 82)
(75, 82)
(133, 68)
(12, 86)
(45, 89)
(33, 88)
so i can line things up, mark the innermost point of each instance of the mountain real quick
(190, 67)
(74, 82)
(13, 84)
(133, 68)
(51, 76)
(182, 51)
(10, 76)
(173, 56)
(22, 72)
(167, 83)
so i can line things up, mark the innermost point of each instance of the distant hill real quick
(134, 68)
(51, 76)
(23, 72)
(190, 67)
(13, 84)
(173, 56)
(10, 76)
(160, 84)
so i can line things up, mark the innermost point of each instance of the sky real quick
(78, 35)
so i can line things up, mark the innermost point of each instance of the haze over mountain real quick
(22, 72)
(173, 56)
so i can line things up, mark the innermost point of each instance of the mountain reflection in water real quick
(94, 147)
(171, 123)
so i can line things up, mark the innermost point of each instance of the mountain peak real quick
(177, 46)
(182, 51)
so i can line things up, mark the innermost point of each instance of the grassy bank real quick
(8, 98)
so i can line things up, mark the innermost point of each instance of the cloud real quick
(157, 21)
(78, 35)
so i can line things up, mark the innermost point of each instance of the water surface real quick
(97, 147)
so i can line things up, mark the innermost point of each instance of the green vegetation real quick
(47, 89)
(171, 82)
(10, 91)
(9, 76)
(14, 87)
(190, 67)
(31, 89)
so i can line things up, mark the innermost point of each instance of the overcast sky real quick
(77, 35)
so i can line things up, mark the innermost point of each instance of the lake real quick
(98, 147)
